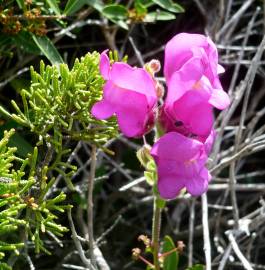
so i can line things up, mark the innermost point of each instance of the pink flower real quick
(130, 94)
(191, 71)
(184, 47)
(181, 164)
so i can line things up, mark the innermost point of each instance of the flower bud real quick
(145, 239)
(136, 253)
(180, 246)
(143, 155)
(155, 65)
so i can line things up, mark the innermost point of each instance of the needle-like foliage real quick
(20, 209)
(56, 108)
(57, 104)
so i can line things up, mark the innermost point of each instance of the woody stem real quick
(156, 232)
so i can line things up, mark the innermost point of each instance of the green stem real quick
(156, 232)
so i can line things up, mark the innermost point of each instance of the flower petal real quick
(174, 146)
(184, 79)
(201, 120)
(194, 112)
(102, 110)
(132, 109)
(132, 113)
(135, 79)
(104, 65)
(219, 99)
(208, 144)
(169, 185)
(220, 69)
(198, 184)
(178, 51)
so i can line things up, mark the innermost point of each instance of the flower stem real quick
(156, 232)
(91, 179)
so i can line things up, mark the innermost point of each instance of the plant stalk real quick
(91, 179)
(156, 233)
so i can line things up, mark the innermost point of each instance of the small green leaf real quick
(146, 3)
(196, 267)
(25, 42)
(23, 147)
(169, 5)
(21, 4)
(151, 166)
(54, 6)
(122, 24)
(96, 4)
(19, 84)
(143, 155)
(48, 49)
(140, 8)
(159, 16)
(7, 187)
(149, 177)
(178, 8)
(171, 261)
(73, 6)
(115, 12)
(17, 140)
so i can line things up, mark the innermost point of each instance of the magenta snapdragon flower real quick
(181, 164)
(185, 47)
(130, 94)
(191, 71)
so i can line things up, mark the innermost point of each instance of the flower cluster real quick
(186, 118)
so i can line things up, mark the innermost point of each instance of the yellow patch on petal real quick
(189, 162)
(197, 85)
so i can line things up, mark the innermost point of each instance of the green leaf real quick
(171, 261)
(21, 4)
(7, 187)
(151, 166)
(4, 40)
(23, 147)
(196, 267)
(115, 12)
(54, 6)
(17, 140)
(96, 4)
(169, 5)
(178, 8)
(140, 8)
(48, 49)
(19, 84)
(73, 6)
(159, 16)
(149, 177)
(25, 42)
(122, 24)
(5, 48)
(146, 3)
